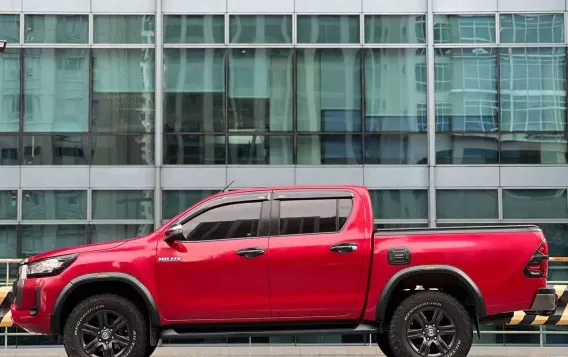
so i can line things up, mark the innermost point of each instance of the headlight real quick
(50, 266)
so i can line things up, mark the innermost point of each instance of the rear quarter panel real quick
(494, 260)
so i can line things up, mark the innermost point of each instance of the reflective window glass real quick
(533, 89)
(260, 149)
(55, 150)
(530, 204)
(42, 238)
(122, 149)
(10, 78)
(556, 236)
(532, 28)
(396, 149)
(467, 149)
(9, 150)
(56, 29)
(131, 204)
(194, 96)
(394, 97)
(260, 90)
(395, 29)
(123, 29)
(468, 204)
(464, 29)
(329, 90)
(194, 149)
(175, 202)
(8, 244)
(466, 90)
(194, 29)
(534, 148)
(329, 149)
(308, 217)
(400, 204)
(101, 233)
(260, 29)
(54, 205)
(58, 102)
(328, 29)
(226, 222)
(8, 205)
(10, 28)
(123, 90)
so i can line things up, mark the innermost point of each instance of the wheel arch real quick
(428, 270)
(143, 295)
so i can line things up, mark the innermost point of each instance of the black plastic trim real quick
(97, 277)
(536, 258)
(311, 194)
(34, 309)
(426, 269)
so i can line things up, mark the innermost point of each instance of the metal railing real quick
(11, 265)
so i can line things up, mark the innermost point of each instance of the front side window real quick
(313, 216)
(225, 222)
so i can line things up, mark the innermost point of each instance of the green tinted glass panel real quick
(42, 238)
(531, 204)
(113, 205)
(123, 29)
(58, 102)
(10, 63)
(395, 90)
(261, 29)
(10, 28)
(8, 246)
(400, 204)
(54, 205)
(395, 29)
(328, 29)
(260, 90)
(56, 29)
(194, 29)
(123, 90)
(329, 90)
(122, 149)
(175, 202)
(468, 204)
(464, 29)
(110, 232)
(532, 28)
(8, 205)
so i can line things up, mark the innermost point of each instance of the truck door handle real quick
(344, 247)
(250, 252)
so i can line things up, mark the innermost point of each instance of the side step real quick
(267, 330)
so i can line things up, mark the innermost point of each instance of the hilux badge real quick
(169, 259)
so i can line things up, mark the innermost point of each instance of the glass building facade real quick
(117, 115)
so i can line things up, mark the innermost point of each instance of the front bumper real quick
(544, 303)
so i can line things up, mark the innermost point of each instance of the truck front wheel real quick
(430, 324)
(106, 326)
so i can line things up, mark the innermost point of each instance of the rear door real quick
(317, 251)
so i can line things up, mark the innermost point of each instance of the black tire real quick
(384, 344)
(102, 322)
(150, 350)
(430, 324)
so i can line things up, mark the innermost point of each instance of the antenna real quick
(226, 187)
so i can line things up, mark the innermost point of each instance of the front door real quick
(219, 272)
(317, 252)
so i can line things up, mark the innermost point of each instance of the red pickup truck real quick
(285, 261)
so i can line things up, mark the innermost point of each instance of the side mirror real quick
(174, 233)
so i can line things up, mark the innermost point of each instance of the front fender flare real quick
(467, 282)
(98, 277)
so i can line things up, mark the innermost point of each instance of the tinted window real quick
(313, 216)
(225, 222)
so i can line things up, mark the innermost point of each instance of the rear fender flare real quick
(426, 269)
(149, 301)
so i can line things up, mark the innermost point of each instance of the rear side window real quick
(313, 216)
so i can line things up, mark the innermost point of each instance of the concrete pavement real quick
(291, 351)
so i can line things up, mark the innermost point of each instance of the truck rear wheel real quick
(384, 345)
(430, 324)
(106, 326)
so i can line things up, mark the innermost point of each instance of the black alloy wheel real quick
(105, 334)
(431, 332)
